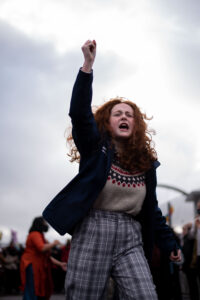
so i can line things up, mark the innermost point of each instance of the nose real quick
(123, 117)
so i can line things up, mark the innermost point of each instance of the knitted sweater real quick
(123, 192)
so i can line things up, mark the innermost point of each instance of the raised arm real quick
(84, 129)
(80, 107)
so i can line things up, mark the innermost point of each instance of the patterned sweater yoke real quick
(124, 191)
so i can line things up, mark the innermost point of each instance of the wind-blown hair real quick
(138, 153)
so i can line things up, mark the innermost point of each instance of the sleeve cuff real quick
(86, 73)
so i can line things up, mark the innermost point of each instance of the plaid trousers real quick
(108, 244)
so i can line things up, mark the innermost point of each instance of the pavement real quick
(56, 297)
(19, 297)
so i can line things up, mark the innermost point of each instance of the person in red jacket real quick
(35, 265)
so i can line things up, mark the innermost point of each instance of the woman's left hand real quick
(63, 266)
(175, 257)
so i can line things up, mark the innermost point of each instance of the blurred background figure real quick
(65, 251)
(60, 252)
(197, 235)
(9, 266)
(11, 259)
(191, 249)
(36, 263)
(1, 266)
(189, 265)
(166, 274)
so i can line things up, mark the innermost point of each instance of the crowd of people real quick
(36, 269)
(173, 280)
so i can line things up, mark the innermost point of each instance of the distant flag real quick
(14, 236)
(169, 214)
(171, 209)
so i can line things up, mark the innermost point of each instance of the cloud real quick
(174, 26)
(147, 52)
(34, 94)
(36, 85)
(185, 13)
(184, 62)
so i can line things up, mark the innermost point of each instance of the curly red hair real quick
(138, 152)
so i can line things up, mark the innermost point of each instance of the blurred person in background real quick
(166, 274)
(65, 251)
(197, 234)
(11, 255)
(60, 253)
(9, 267)
(1, 266)
(36, 263)
(194, 234)
(189, 265)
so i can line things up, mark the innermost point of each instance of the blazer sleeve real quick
(84, 128)
(164, 236)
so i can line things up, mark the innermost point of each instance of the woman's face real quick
(122, 121)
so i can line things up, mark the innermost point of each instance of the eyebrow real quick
(122, 111)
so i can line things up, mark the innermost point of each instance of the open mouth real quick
(124, 126)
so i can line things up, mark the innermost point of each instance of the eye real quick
(129, 115)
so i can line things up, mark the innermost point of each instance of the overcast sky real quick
(147, 51)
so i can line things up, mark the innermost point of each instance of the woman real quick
(110, 207)
(36, 263)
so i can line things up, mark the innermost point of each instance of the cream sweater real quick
(123, 191)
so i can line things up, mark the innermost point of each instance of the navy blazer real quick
(72, 203)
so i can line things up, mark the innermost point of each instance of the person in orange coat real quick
(35, 265)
